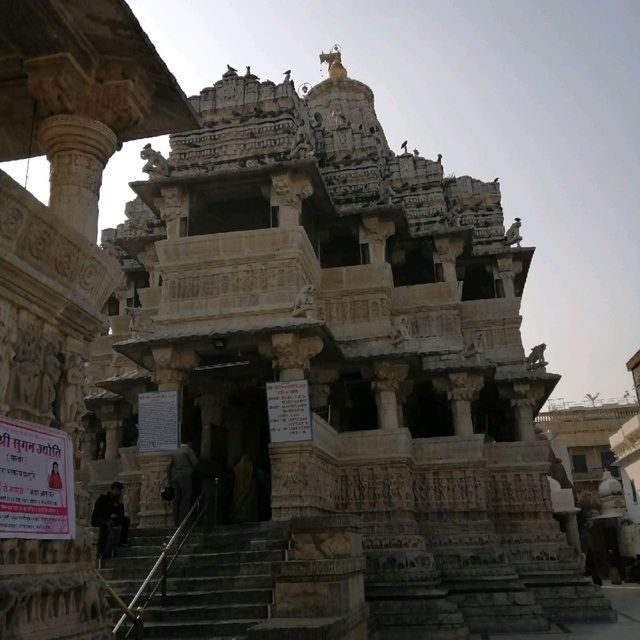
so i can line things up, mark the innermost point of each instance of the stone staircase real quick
(220, 585)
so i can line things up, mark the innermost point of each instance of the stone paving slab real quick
(625, 599)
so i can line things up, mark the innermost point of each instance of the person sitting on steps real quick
(108, 515)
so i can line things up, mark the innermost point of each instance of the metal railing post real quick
(139, 623)
(164, 575)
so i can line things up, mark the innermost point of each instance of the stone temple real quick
(282, 239)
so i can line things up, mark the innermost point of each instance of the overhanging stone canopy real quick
(74, 57)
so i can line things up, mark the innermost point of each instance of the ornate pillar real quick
(461, 388)
(292, 353)
(211, 405)
(506, 271)
(320, 387)
(386, 387)
(573, 534)
(113, 438)
(84, 111)
(174, 207)
(523, 398)
(78, 149)
(287, 193)
(375, 232)
(446, 250)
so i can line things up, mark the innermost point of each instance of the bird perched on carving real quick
(439, 158)
(230, 69)
(404, 146)
(496, 180)
(287, 75)
(248, 71)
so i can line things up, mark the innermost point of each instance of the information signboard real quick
(158, 421)
(36, 482)
(289, 411)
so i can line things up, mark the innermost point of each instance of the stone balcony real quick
(498, 321)
(356, 301)
(217, 277)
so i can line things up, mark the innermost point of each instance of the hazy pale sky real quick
(544, 94)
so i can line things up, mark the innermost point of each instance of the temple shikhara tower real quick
(283, 240)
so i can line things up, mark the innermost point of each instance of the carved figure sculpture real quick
(513, 234)
(475, 348)
(50, 378)
(400, 330)
(6, 358)
(26, 371)
(301, 147)
(140, 321)
(305, 302)
(156, 163)
(72, 407)
(536, 359)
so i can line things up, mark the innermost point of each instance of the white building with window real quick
(625, 443)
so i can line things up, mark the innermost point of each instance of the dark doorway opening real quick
(427, 412)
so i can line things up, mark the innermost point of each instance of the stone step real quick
(209, 597)
(203, 558)
(205, 583)
(197, 548)
(206, 613)
(226, 629)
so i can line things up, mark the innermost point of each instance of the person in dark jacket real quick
(108, 514)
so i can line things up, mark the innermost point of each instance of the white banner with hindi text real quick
(36, 482)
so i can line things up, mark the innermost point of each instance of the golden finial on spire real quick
(334, 60)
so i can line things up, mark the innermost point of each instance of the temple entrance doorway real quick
(240, 457)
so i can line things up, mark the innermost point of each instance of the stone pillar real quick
(293, 354)
(113, 438)
(154, 471)
(446, 250)
(84, 112)
(375, 232)
(287, 193)
(320, 387)
(78, 149)
(461, 388)
(211, 405)
(386, 387)
(174, 206)
(523, 414)
(89, 452)
(506, 270)
(573, 535)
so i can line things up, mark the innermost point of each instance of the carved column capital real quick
(390, 373)
(294, 353)
(287, 193)
(459, 385)
(447, 248)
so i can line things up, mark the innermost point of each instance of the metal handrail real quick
(135, 616)
(198, 508)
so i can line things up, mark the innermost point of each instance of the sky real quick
(543, 94)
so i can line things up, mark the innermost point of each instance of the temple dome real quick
(609, 486)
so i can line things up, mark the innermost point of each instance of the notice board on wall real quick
(289, 411)
(158, 421)
(37, 497)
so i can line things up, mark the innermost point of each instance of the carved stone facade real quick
(299, 246)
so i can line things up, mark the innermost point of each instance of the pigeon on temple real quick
(230, 69)
(287, 75)
(496, 179)
(439, 158)
(404, 145)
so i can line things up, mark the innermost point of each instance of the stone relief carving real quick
(535, 360)
(72, 407)
(7, 355)
(475, 347)
(156, 163)
(26, 371)
(301, 147)
(400, 330)
(305, 303)
(52, 368)
(141, 322)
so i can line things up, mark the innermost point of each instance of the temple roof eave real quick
(149, 191)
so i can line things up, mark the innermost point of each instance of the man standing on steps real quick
(183, 464)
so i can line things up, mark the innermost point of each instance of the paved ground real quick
(625, 599)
